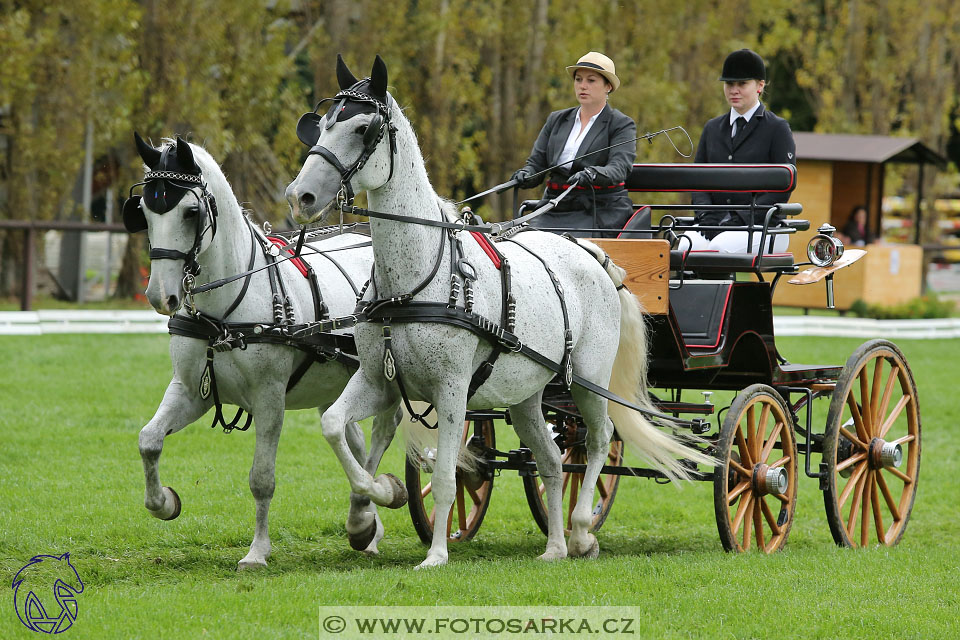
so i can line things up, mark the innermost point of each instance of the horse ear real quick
(185, 156)
(378, 78)
(149, 155)
(344, 77)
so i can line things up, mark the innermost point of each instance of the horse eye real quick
(191, 213)
(362, 129)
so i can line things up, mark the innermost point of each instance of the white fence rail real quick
(65, 321)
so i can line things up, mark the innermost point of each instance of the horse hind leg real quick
(593, 408)
(530, 426)
(364, 528)
(179, 408)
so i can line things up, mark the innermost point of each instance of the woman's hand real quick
(524, 179)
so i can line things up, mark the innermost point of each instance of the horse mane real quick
(447, 207)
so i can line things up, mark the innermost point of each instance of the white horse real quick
(434, 361)
(223, 242)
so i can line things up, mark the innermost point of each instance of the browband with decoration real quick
(172, 175)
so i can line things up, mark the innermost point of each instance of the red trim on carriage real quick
(723, 316)
(487, 247)
(284, 247)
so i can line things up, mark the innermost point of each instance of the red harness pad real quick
(487, 247)
(286, 248)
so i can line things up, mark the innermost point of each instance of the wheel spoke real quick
(574, 492)
(736, 491)
(761, 432)
(851, 484)
(888, 390)
(875, 388)
(768, 447)
(741, 511)
(740, 468)
(752, 433)
(888, 498)
(426, 490)
(758, 523)
(461, 509)
(857, 418)
(900, 474)
(865, 405)
(893, 415)
(747, 522)
(852, 438)
(905, 439)
(768, 515)
(432, 517)
(857, 500)
(602, 488)
(877, 516)
(782, 461)
(743, 448)
(852, 460)
(474, 496)
(865, 517)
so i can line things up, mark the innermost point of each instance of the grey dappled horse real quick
(366, 144)
(181, 223)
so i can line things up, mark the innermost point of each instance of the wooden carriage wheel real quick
(755, 488)
(606, 489)
(472, 497)
(871, 448)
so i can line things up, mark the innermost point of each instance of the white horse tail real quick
(422, 442)
(629, 381)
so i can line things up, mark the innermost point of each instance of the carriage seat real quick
(719, 262)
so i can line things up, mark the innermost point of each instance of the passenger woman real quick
(748, 133)
(599, 199)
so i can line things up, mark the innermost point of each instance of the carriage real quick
(476, 337)
(711, 319)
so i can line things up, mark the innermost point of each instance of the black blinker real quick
(133, 218)
(372, 134)
(308, 128)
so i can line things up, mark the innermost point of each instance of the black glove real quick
(583, 178)
(524, 179)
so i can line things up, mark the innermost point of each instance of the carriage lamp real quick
(824, 249)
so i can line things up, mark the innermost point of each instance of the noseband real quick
(308, 130)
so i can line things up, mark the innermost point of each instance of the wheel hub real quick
(884, 454)
(769, 480)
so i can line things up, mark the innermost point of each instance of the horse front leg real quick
(361, 399)
(268, 422)
(180, 407)
(364, 528)
(451, 408)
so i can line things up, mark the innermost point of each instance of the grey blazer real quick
(613, 204)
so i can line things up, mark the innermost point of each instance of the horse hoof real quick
(245, 564)
(361, 540)
(176, 508)
(591, 553)
(399, 492)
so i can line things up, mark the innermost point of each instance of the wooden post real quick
(919, 208)
(26, 296)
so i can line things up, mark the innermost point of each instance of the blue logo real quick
(32, 587)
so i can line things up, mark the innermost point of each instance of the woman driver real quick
(575, 131)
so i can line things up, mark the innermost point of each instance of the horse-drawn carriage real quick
(531, 321)
(711, 319)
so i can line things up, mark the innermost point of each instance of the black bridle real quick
(135, 220)
(308, 131)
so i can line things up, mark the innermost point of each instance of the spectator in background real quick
(856, 232)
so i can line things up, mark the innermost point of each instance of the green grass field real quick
(71, 480)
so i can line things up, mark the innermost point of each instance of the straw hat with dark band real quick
(594, 61)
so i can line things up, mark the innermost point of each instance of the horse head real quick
(179, 215)
(347, 154)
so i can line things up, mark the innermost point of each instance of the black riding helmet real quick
(743, 65)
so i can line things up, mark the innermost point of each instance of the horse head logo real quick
(39, 577)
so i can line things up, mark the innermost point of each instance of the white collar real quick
(746, 116)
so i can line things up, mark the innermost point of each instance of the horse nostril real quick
(172, 302)
(307, 199)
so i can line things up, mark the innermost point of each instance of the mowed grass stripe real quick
(71, 480)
